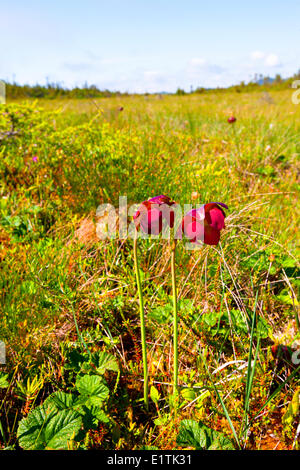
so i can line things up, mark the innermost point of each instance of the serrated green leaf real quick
(221, 443)
(104, 361)
(196, 434)
(45, 428)
(92, 415)
(92, 389)
(192, 434)
(75, 360)
(211, 318)
(61, 401)
(162, 314)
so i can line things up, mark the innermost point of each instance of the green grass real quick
(64, 291)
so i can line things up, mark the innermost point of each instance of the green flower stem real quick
(297, 320)
(142, 321)
(175, 318)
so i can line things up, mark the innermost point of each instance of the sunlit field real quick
(69, 319)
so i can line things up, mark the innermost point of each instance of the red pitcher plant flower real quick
(231, 119)
(151, 214)
(204, 224)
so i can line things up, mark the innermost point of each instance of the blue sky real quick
(154, 45)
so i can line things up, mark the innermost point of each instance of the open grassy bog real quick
(72, 376)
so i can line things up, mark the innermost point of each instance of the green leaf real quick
(104, 361)
(266, 170)
(211, 318)
(91, 416)
(188, 393)
(149, 448)
(154, 394)
(199, 436)
(162, 420)
(3, 381)
(162, 314)
(44, 428)
(286, 297)
(75, 360)
(262, 328)
(222, 443)
(191, 434)
(293, 410)
(99, 414)
(61, 401)
(92, 390)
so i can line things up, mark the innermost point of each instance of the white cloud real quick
(257, 55)
(198, 62)
(199, 65)
(79, 66)
(272, 60)
(269, 60)
(152, 74)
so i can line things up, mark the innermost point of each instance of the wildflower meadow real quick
(150, 272)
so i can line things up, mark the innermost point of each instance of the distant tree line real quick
(259, 82)
(56, 90)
